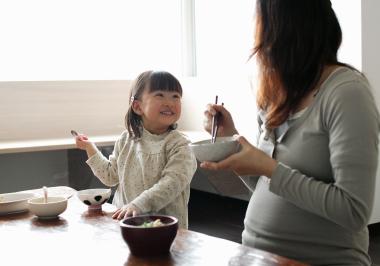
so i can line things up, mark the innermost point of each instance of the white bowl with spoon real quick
(47, 207)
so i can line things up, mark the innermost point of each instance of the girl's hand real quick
(82, 141)
(248, 161)
(226, 123)
(128, 210)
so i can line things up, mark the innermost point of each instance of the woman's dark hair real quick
(295, 40)
(150, 81)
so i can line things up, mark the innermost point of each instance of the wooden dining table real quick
(82, 237)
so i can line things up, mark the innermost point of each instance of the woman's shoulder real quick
(344, 83)
(345, 78)
(347, 92)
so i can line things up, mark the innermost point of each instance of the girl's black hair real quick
(151, 81)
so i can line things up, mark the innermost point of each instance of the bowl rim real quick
(207, 142)
(59, 200)
(89, 192)
(122, 224)
(25, 196)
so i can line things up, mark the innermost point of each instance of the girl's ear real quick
(136, 107)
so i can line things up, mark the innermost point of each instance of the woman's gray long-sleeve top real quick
(316, 206)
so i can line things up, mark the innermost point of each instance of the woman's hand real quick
(248, 161)
(225, 121)
(128, 210)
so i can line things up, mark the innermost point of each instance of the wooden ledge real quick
(51, 144)
(69, 143)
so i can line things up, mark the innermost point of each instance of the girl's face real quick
(158, 110)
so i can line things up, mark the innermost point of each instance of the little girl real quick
(151, 162)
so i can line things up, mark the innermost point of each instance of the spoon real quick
(45, 194)
(74, 133)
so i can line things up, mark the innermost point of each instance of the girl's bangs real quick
(163, 81)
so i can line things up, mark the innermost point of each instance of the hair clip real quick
(132, 99)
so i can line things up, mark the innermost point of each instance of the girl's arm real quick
(105, 169)
(83, 143)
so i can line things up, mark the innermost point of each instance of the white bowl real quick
(94, 198)
(49, 210)
(214, 152)
(14, 202)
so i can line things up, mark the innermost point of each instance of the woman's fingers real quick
(222, 165)
(243, 141)
(210, 108)
(239, 162)
(207, 121)
(212, 165)
(224, 117)
(208, 115)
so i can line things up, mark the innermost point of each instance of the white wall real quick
(370, 62)
(50, 109)
(349, 16)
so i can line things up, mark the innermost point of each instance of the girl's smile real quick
(167, 112)
(158, 110)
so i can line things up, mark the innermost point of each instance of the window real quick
(224, 36)
(117, 39)
(349, 15)
(88, 39)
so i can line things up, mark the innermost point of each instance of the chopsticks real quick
(215, 123)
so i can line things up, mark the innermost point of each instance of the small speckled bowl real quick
(94, 198)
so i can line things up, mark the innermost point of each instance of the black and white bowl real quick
(94, 198)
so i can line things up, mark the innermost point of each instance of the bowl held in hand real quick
(214, 152)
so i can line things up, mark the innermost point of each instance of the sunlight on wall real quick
(87, 39)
